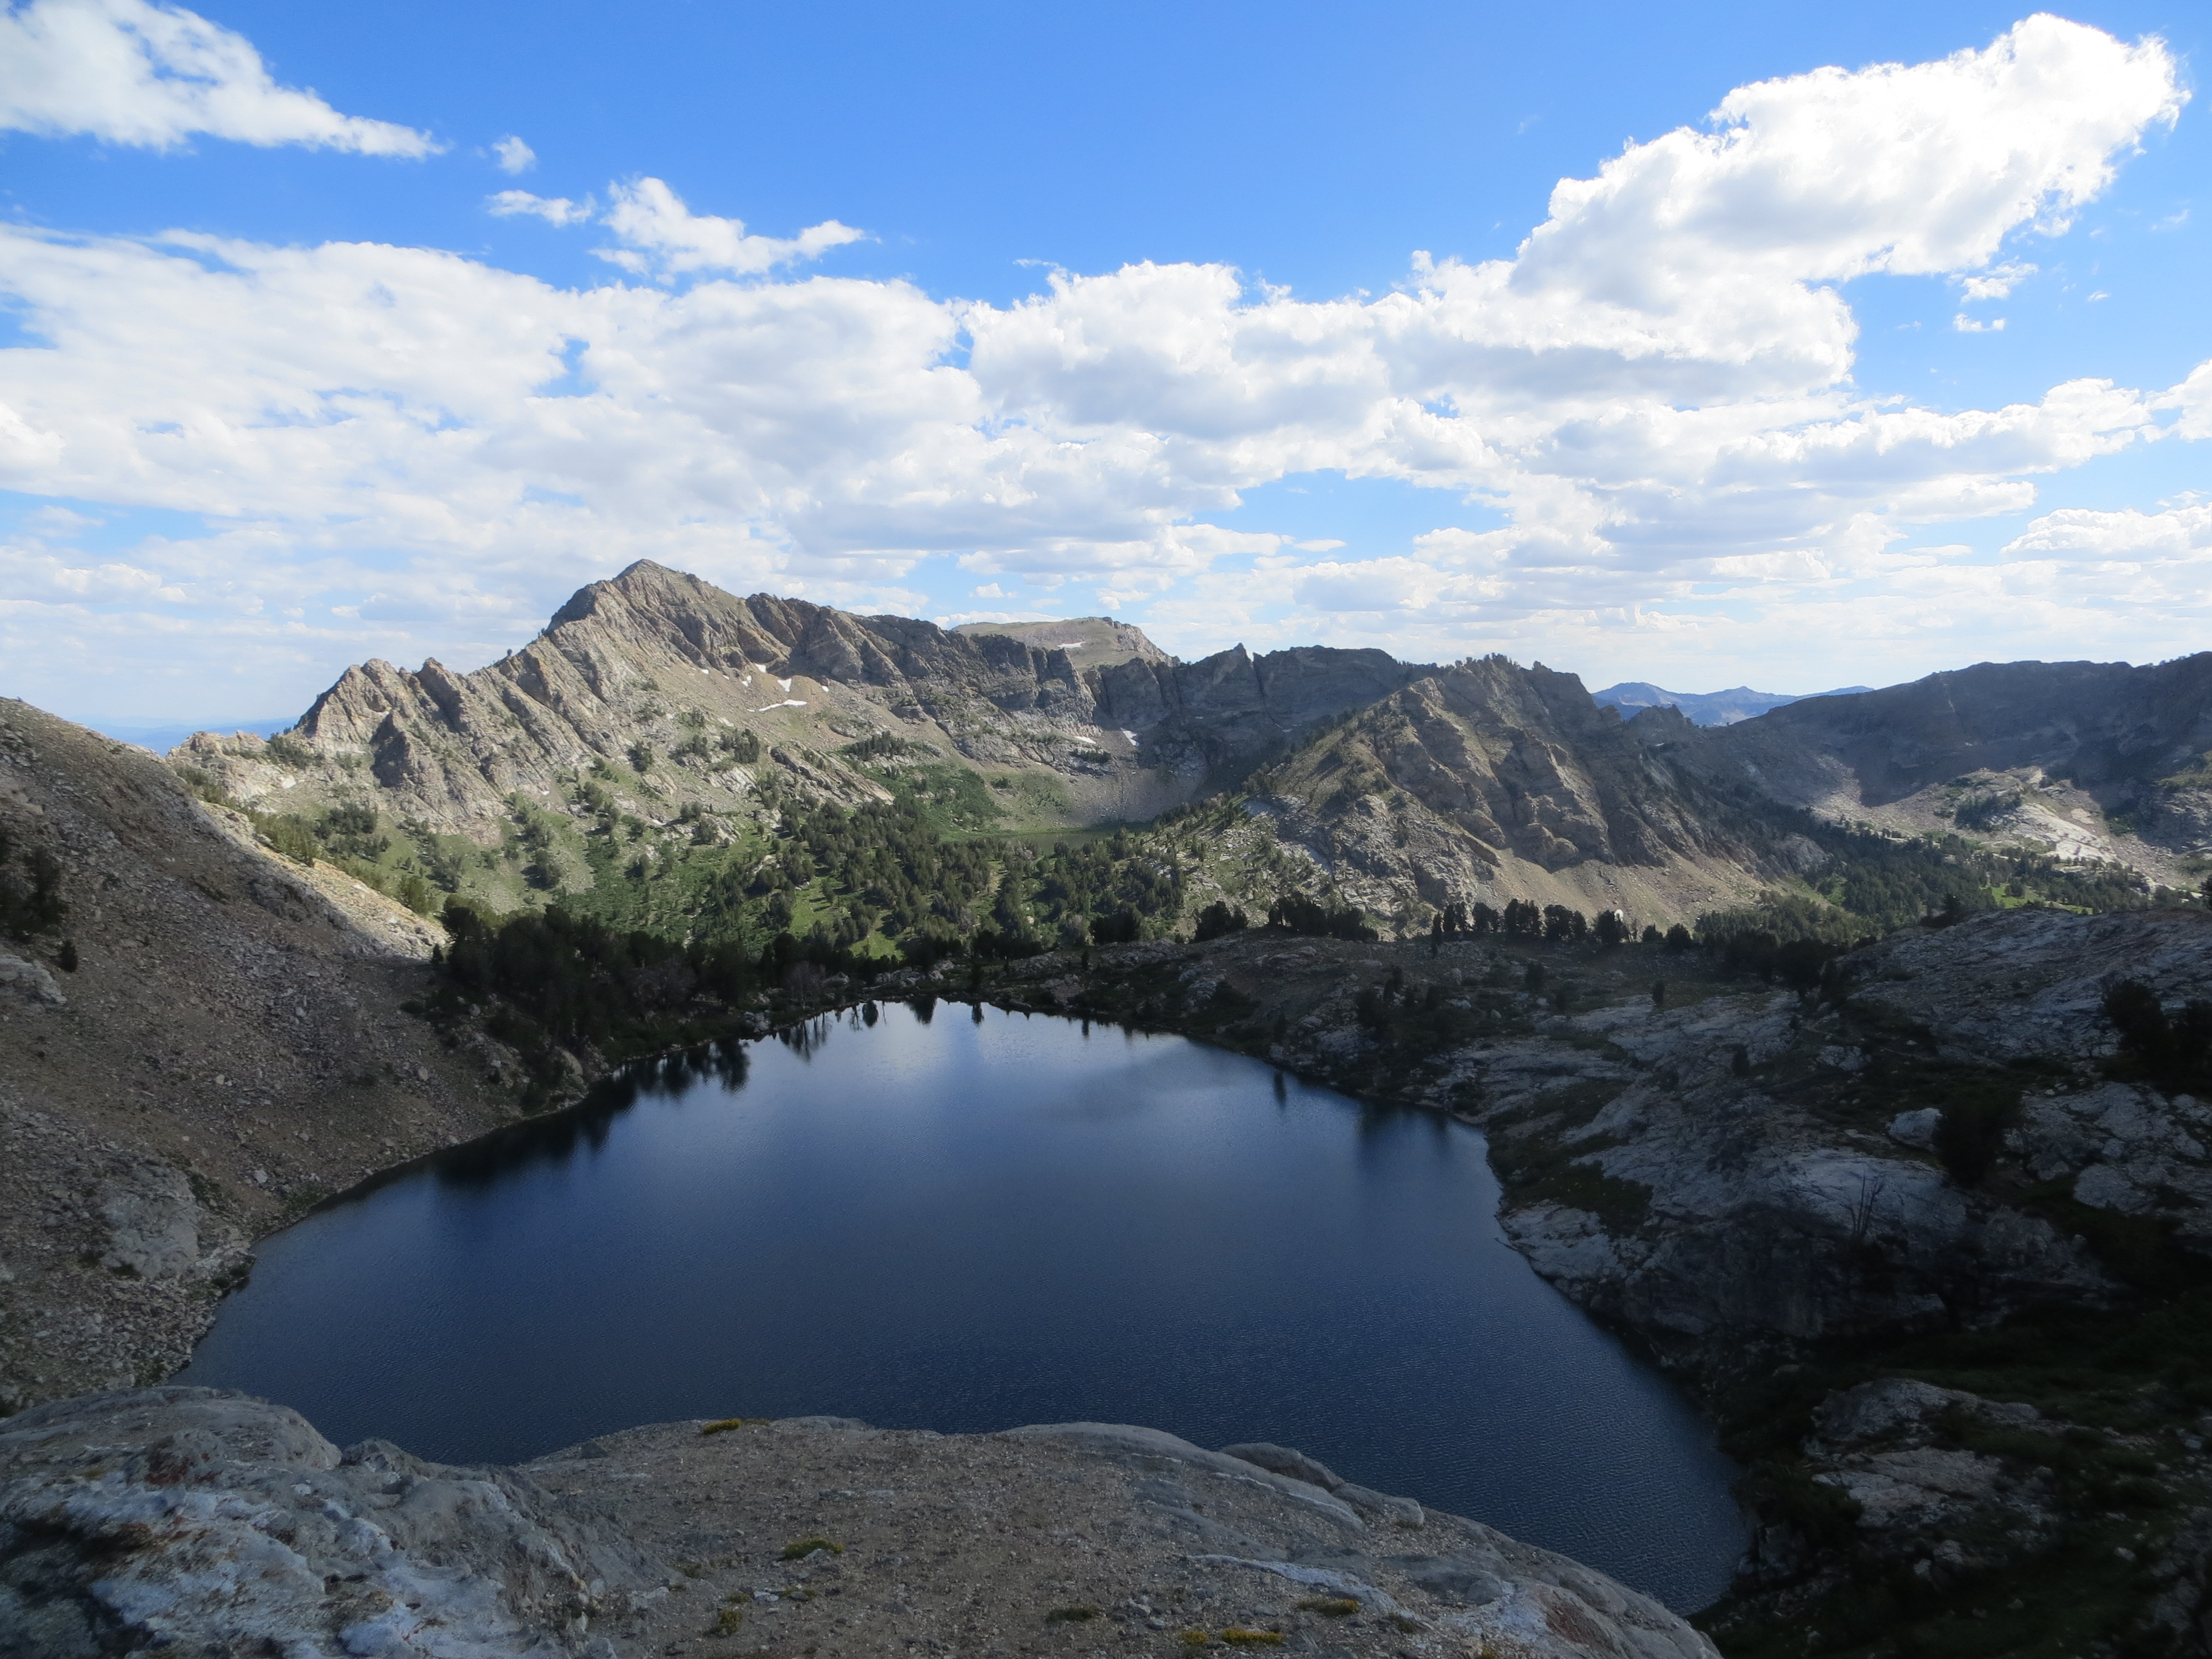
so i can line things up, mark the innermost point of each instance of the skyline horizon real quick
(1719, 342)
(118, 726)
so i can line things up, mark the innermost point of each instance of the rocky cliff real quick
(1090, 641)
(657, 673)
(191, 1520)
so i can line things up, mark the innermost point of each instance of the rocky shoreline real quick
(194, 1521)
(1970, 1407)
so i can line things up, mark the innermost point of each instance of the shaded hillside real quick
(1488, 781)
(2084, 760)
(197, 1039)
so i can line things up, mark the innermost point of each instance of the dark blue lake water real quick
(933, 1222)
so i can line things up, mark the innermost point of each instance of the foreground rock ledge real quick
(195, 1521)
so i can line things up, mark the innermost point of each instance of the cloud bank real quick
(131, 72)
(1644, 419)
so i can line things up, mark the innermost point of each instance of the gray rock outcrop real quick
(206, 1522)
(625, 660)
(195, 1521)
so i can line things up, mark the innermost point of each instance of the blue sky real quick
(283, 387)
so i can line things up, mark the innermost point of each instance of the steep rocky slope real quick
(227, 1046)
(194, 1521)
(2087, 759)
(1486, 781)
(659, 673)
(1762, 1170)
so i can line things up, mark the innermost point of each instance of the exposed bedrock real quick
(193, 1521)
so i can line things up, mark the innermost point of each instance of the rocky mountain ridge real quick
(655, 661)
(2081, 760)
(1403, 788)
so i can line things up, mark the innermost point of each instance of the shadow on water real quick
(971, 1224)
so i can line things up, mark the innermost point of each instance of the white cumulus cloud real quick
(662, 236)
(513, 156)
(1642, 425)
(553, 210)
(2128, 534)
(131, 72)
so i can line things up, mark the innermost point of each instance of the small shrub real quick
(723, 1426)
(1329, 1606)
(799, 1548)
(727, 1619)
(1237, 1636)
(205, 785)
(291, 835)
(2170, 1050)
(1071, 1615)
(1296, 914)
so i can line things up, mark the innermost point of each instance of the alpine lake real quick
(965, 1220)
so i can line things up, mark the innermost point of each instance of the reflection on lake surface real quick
(960, 1225)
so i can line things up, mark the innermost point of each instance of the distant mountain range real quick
(1708, 708)
(699, 718)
